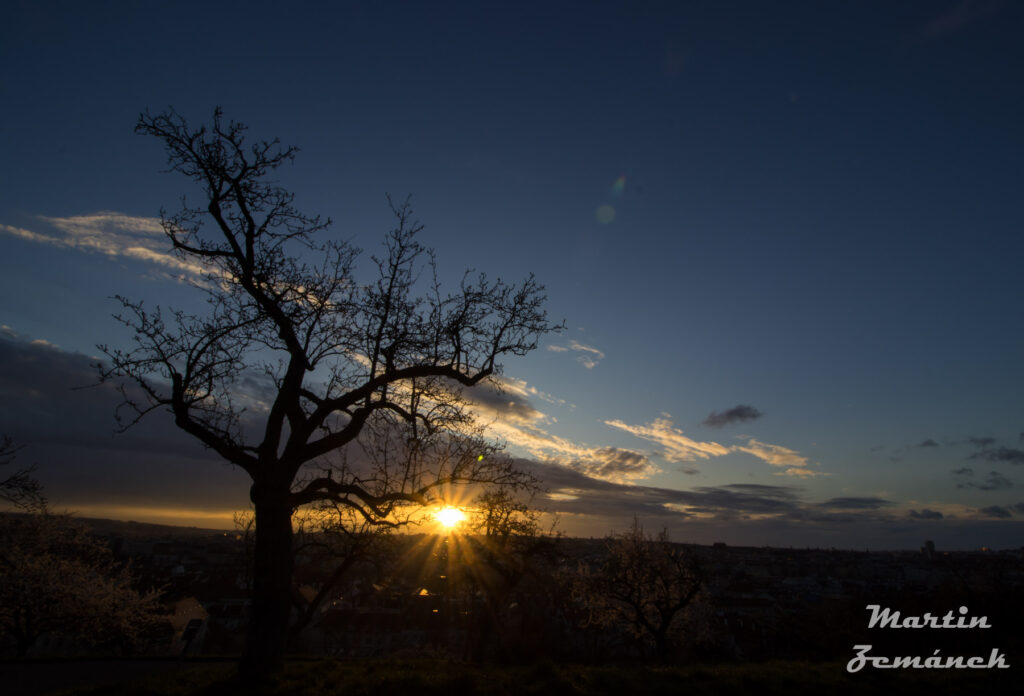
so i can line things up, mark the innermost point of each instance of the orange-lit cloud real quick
(774, 455)
(676, 446)
(590, 358)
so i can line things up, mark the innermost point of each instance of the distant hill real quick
(142, 530)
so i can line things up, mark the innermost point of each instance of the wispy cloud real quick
(925, 514)
(775, 455)
(736, 414)
(521, 388)
(994, 481)
(615, 465)
(853, 503)
(507, 414)
(506, 401)
(110, 234)
(676, 447)
(801, 472)
(590, 358)
(1001, 454)
(790, 461)
(928, 443)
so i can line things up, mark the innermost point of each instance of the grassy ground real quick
(429, 678)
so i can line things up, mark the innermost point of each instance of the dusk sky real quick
(785, 238)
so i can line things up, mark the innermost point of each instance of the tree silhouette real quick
(56, 578)
(393, 354)
(19, 488)
(506, 545)
(643, 583)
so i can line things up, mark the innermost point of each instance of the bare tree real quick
(643, 583)
(19, 488)
(342, 355)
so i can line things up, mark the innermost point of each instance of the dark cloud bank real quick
(69, 433)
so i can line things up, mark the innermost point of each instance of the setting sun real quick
(449, 517)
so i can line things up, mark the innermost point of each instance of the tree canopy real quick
(342, 358)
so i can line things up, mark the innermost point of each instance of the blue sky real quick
(809, 209)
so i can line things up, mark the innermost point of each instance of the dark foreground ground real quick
(440, 678)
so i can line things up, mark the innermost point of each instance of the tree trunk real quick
(23, 631)
(662, 644)
(272, 578)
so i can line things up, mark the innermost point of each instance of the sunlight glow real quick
(449, 517)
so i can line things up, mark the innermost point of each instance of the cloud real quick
(676, 447)
(508, 414)
(615, 465)
(51, 395)
(503, 400)
(111, 234)
(1001, 454)
(995, 511)
(736, 414)
(521, 388)
(590, 358)
(871, 503)
(929, 443)
(994, 482)
(577, 493)
(791, 461)
(156, 467)
(800, 472)
(757, 514)
(982, 442)
(966, 471)
(774, 455)
(51, 403)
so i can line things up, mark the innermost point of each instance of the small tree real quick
(341, 354)
(503, 546)
(56, 578)
(643, 583)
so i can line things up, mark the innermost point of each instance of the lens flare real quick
(605, 214)
(619, 186)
